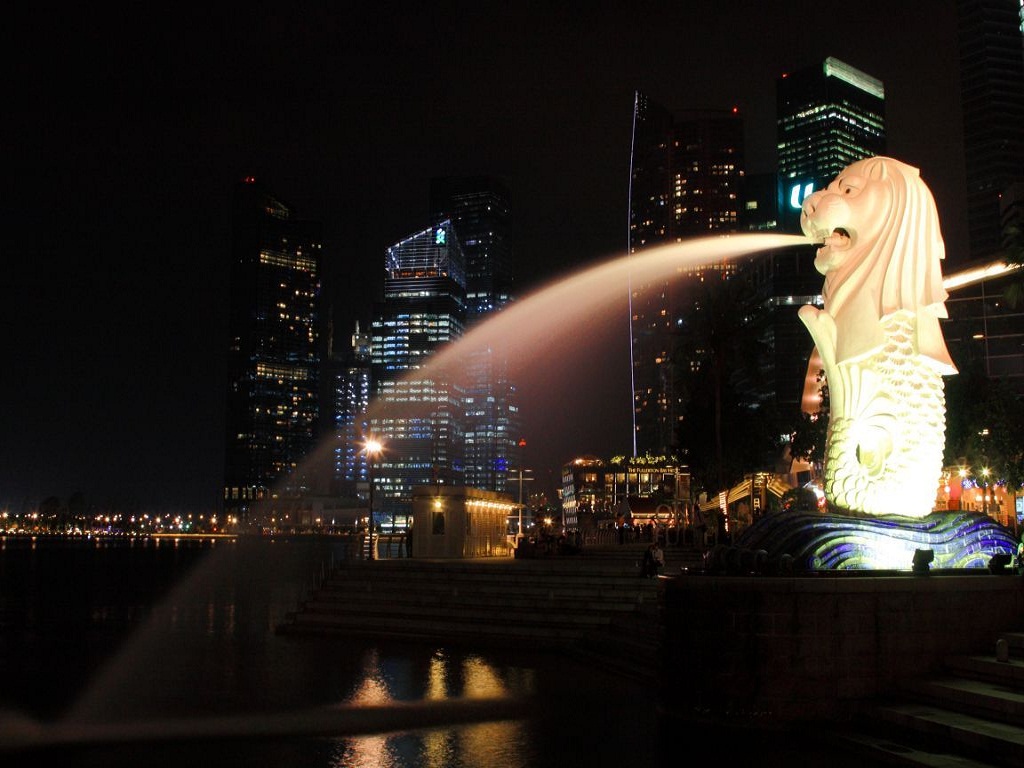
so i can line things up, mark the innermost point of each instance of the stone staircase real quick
(594, 603)
(971, 715)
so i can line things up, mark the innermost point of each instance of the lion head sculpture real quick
(881, 252)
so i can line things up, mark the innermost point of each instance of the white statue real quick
(879, 337)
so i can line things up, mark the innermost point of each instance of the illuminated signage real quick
(798, 193)
(439, 236)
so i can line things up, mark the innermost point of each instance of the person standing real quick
(653, 562)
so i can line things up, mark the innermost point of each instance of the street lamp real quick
(984, 491)
(372, 449)
(519, 530)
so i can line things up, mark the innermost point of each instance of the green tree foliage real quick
(811, 431)
(985, 426)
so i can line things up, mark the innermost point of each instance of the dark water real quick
(117, 632)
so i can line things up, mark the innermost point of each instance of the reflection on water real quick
(485, 744)
(102, 635)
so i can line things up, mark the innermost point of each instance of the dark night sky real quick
(124, 129)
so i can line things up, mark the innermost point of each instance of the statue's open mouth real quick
(838, 240)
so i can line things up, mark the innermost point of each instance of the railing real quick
(388, 546)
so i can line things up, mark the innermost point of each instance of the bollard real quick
(1002, 650)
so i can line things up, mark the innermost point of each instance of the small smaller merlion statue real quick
(879, 337)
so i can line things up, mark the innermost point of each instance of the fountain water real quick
(160, 670)
(567, 345)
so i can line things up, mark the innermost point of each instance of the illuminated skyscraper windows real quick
(419, 419)
(273, 363)
(685, 178)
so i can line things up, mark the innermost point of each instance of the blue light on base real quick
(819, 542)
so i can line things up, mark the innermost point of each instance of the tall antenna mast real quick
(629, 280)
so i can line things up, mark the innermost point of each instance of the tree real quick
(985, 426)
(811, 432)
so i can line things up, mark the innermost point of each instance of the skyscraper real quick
(829, 115)
(684, 182)
(272, 398)
(350, 390)
(992, 97)
(418, 416)
(478, 208)
(983, 330)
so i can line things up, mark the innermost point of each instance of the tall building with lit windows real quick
(992, 99)
(685, 175)
(829, 115)
(479, 210)
(273, 359)
(418, 413)
(350, 392)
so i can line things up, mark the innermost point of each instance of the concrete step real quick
(456, 630)
(893, 749)
(464, 599)
(483, 615)
(1009, 673)
(953, 732)
(979, 698)
(970, 715)
(555, 602)
(493, 578)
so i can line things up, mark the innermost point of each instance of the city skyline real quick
(124, 139)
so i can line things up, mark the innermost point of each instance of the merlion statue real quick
(879, 337)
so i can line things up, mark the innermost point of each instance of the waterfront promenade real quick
(893, 664)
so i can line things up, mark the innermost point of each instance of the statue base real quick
(807, 541)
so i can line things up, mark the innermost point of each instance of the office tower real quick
(418, 411)
(684, 182)
(350, 392)
(992, 97)
(272, 398)
(829, 115)
(984, 331)
(478, 208)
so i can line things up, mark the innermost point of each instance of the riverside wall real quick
(778, 649)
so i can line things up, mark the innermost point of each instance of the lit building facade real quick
(595, 492)
(984, 330)
(351, 378)
(992, 100)
(829, 115)
(479, 211)
(273, 360)
(685, 176)
(418, 417)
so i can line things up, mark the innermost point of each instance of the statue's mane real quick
(899, 270)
